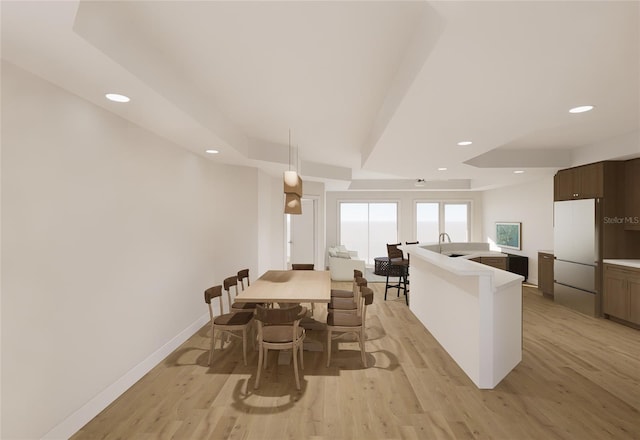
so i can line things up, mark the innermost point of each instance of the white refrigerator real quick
(575, 246)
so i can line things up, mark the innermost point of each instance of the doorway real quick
(302, 233)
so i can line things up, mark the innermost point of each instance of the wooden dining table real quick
(292, 286)
(289, 286)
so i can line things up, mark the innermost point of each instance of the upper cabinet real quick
(583, 182)
(632, 195)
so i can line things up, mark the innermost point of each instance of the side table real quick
(381, 265)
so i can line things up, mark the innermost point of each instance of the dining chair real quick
(231, 284)
(298, 266)
(243, 275)
(339, 293)
(229, 324)
(340, 323)
(349, 304)
(279, 329)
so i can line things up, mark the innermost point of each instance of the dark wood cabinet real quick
(621, 290)
(583, 182)
(632, 195)
(545, 273)
(497, 262)
(518, 264)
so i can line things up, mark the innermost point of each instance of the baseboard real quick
(92, 408)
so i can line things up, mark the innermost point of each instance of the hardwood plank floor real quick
(579, 379)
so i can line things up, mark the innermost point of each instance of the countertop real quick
(463, 266)
(628, 263)
(546, 252)
(468, 255)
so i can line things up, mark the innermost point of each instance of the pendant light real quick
(292, 188)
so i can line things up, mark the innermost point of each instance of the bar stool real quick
(398, 268)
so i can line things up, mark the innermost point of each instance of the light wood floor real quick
(579, 379)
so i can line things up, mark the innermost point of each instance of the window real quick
(428, 222)
(456, 221)
(368, 227)
(435, 218)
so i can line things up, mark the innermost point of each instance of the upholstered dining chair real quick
(229, 324)
(298, 266)
(231, 287)
(349, 304)
(340, 323)
(338, 293)
(302, 266)
(243, 275)
(279, 329)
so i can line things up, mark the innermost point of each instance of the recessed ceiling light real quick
(442, 169)
(115, 97)
(581, 109)
(463, 143)
(211, 151)
(518, 172)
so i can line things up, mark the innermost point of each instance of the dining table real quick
(292, 286)
(289, 286)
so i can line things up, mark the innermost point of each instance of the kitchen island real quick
(473, 310)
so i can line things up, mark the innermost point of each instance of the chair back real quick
(243, 275)
(367, 299)
(281, 316)
(209, 294)
(357, 273)
(302, 267)
(229, 284)
(410, 242)
(358, 284)
(393, 252)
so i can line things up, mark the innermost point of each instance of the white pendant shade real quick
(292, 183)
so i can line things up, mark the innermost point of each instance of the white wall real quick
(406, 202)
(316, 190)
(109, 237)
(532, 205)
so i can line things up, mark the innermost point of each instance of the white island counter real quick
(473, 310)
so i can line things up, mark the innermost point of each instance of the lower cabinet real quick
(545, 273)
(497, 262)
(621, 293)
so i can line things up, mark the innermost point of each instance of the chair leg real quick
(213, 345)
(328, 347)
(386, 287)
(406, 295)
(266, 355)
(301, 351)
(361, 337)
(260, 359)
(244, 345)
(295, 365)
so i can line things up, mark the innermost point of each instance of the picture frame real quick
(509, 235)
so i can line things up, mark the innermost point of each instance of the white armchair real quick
(342, 262)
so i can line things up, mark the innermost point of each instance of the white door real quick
(302, 234)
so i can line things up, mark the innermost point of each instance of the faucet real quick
(441, 238)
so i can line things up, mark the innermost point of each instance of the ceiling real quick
(376, 94)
